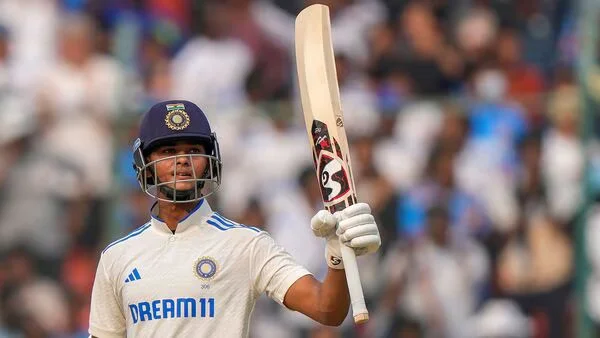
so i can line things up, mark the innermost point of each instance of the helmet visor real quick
(181, 178)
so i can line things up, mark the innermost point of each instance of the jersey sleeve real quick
(106, 315)
(274, 270)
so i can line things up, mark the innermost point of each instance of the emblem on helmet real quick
(177, 118)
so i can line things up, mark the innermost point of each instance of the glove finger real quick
(363, 230)
(369, 241)
(355, 221)
(323, 219)
(353, 210)
(361, 251)
(323, 223)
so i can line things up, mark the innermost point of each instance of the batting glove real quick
(354, 226)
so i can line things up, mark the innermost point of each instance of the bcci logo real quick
(177, 118)
(205, 268)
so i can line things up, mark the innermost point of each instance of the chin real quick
(184, 186)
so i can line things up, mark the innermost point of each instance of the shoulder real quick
(127, 240)
(228, 227)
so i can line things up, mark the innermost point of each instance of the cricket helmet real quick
(166, 123)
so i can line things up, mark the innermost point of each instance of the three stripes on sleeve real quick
(225, 224)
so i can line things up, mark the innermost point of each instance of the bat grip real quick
(357, 299)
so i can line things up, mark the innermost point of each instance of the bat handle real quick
(357, 299)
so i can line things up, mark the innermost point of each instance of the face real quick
(438, 229)
(76, 46)
(176, 162)
(3, 47)
(454, 131)
(508, 48)
(444, 170)
(217, 19)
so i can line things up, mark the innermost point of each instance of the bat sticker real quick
(320, 136)
(338, 149)
(333, 178)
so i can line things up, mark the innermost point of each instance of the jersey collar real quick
(194, 218)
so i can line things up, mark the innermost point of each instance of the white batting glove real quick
(354, 226)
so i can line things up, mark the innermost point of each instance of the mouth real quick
(184, 175)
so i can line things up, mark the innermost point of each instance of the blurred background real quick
(473, 130)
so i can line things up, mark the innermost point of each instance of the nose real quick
(183, 160)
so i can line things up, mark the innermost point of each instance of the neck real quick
(172, 213)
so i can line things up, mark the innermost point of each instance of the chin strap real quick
(182, 195)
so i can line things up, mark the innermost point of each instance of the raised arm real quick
(327, 302)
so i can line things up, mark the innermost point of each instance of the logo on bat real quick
(335, 260)
(323, 142)
(333, 177)
(328, 158)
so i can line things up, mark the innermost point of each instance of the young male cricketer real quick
(189, 271)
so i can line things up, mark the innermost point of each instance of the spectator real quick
(78, 102)
(34, 305)
(563, 155)
(359, 100)
(467, 214)
(500, 318)
(33, 177)
(212, 67)
(534, 269)
(32, 44)
(374, 188)
(270, 75)
(438, 279)
(525, 82)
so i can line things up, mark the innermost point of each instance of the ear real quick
(149, 171)
(149, 176)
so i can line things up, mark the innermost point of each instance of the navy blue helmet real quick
(166, 123)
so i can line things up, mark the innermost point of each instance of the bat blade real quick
(324, 120)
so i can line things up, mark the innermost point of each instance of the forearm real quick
(326, 302)
(333, 297)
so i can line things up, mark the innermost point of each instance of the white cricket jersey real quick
(201, 281)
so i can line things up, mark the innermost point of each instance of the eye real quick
(196, 151)
(168, 151)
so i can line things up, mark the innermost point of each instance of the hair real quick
(77, 24)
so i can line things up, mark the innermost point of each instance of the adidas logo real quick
(134, 275)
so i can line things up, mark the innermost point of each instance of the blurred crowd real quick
(463, 118)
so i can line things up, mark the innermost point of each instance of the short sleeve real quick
(106, 316)
(274, 270)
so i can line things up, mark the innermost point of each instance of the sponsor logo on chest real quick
(204, 268)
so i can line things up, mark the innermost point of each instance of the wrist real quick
(333, 253)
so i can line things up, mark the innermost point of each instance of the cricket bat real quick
(325, 126)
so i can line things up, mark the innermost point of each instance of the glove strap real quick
(333, 253)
